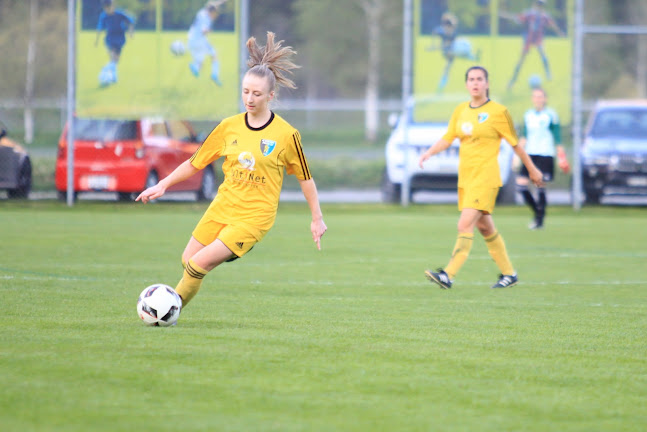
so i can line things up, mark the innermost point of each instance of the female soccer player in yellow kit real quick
(479, 124)
(258, 146)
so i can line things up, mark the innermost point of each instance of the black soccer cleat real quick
(440, 277)
(506, 281)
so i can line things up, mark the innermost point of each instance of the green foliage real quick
(338, 173)
(43, 170)
(339, 58)
(50, 64)
(350, 338)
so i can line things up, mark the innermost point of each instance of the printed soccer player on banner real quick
(199, 45)
(534, 21)
(115, 22)
(451, 45)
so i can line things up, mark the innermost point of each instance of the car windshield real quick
(105, 130)
(620, 122)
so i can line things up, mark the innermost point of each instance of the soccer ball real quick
(462, 48)
(534, 81)
(178, 48)
(159, 305)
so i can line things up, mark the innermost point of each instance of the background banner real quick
(522, 44)
(173, 58)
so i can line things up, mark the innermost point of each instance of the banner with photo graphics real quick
(522, 43)
(172, 58)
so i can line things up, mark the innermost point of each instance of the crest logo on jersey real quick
(267, 146)
(467, 128)
(246, 160)
(483, 116)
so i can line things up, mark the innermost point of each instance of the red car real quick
(127, 156)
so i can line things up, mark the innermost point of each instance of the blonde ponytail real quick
(271, 61)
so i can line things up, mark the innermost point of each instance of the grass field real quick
(349, 338)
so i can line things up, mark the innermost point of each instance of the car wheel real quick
(208, 185)
(391, 192)
(592, 196)
(24, 182)
(126, 196)
(151, 179)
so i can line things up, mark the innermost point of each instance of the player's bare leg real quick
(199, 260)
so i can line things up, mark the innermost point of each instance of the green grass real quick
(348, 338)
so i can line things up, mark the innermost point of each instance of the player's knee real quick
(185, 259)
(486, 230)
(465, 227)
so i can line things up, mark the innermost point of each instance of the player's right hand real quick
(151, 193)
(423, 158)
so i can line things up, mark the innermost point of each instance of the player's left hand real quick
(318, 228)
(537, 177)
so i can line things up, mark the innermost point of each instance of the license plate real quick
(98, 182)
(637, 181)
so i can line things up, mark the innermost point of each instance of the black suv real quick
(15, 167)
(614, 152)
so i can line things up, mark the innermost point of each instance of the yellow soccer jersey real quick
(480, 131)
(255, 159)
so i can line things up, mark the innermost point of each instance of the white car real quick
(440, 172)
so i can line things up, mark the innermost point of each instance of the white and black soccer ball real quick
(159, 305)
(178, 48)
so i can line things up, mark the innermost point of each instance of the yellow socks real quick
(460, 253)
(496, 247)
(190, 283)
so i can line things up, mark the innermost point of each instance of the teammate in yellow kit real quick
(480, 124)
(257, 146)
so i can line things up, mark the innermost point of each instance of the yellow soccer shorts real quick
(238, 237)
(482, 199)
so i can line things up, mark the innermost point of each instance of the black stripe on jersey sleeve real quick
(302, 158)
(510, 123)
(200, 148)
(196, 153)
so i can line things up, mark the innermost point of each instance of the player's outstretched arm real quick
(317, 226)
(182, 172)
(440, 145)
